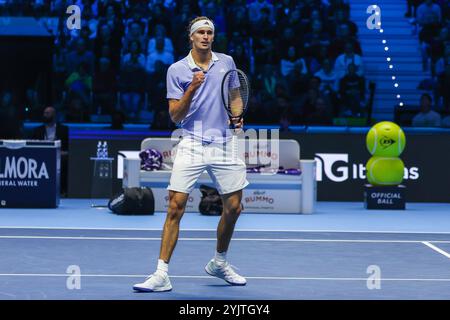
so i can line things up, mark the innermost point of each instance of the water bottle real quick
(99, 149)
(105, 149)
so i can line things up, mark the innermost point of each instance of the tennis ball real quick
(385, 139)
(385, 171)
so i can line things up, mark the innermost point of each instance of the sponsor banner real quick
(341, 160)
(29, 175)
(384, 198)
(340, 157)
(255, 199)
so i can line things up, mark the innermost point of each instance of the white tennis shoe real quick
(157, 282)
(225, 272)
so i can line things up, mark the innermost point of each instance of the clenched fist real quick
(197, 80)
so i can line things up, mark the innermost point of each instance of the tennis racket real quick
(235, 94)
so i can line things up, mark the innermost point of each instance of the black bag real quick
(139, 201)
(211, 202)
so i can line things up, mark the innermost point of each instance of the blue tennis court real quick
(368, 255)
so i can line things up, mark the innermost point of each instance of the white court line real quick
(209, 277)
(215, 239)
(427, 243)
(238, 230)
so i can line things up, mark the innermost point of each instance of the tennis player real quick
(194, 94)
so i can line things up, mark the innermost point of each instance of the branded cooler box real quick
(29, 173)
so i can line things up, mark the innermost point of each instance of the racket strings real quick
(238, 93)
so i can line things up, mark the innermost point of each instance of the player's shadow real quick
(217, 285)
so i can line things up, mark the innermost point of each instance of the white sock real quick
(220, 258)
(162, 267)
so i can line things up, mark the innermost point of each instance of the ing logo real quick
(386, 142)
(74, 20)
(337, 167)
(374, 20)
(326, 163)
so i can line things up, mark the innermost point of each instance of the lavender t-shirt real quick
(206, 119)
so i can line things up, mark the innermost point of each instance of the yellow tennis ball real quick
(385, 139)
(385, 171)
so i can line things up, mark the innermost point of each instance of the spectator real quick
(280, 108)
(329, 85)
(428, 18)
(79, 83)
(135, 53)
(256, 113)
(239, 39)
(297, 82)
(59, 72)
(135, 33)
(426, 117)
(114, 19)
(315, 40)
(428, 13)
(255, 11)
(328, 77)
(321, 114)
(180, 44)
(221, 42)
(215, 13)
(159, 54)
(160, 32)
(159, 16)
(287, 39)
(265, 52)
(85, 34)
(132, 87)
(283, 9)
(269, 82)
(137, 17)
(412, 8)
(264, 25)
(307, 103)
(347, 58)
(241, 58)
(443, 78)
(238, 22)
(292, 61)
(337, 46)
(104, 88)
(341, 18)
(437, 47)
(79, 56)
(337, 5)
(162, 121)
(294, 22)
(443, 62)
(352, 92)
(106, 39)
(157, 86)
(90, 22)
(52, 130)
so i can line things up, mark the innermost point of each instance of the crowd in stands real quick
(303, 57)
(431, 22)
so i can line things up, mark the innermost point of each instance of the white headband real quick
(204, 23)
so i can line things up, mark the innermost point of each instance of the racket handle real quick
(232, 125)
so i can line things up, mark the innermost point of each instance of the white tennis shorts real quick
(226, 169)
